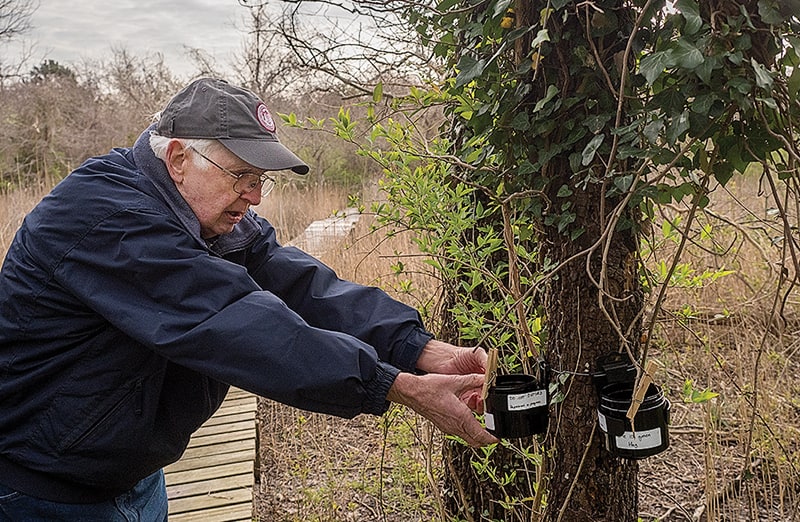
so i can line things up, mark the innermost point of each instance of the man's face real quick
(208, 189)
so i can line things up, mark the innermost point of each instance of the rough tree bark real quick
(587, 483)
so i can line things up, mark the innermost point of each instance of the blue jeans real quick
(146, 502)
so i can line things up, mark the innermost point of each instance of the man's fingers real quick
(476, 435)
(471, 396)
(473, 401)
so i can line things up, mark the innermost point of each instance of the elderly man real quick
(143, 286)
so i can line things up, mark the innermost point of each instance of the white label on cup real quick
(526, 401)
(488, 419)
(640, 440)
(601, 420)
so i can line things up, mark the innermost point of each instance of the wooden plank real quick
(212, 500)
(229, 427)
(216, 420)
(210, 440)
(210, 486)
(201, 464)
(237, 406)
(237, 446)
(212, 482)
(207, 473)
(237, 393)
(233, 513)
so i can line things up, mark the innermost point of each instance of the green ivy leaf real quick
(705, 70)
(526, 167)
(686, 55)
(792, 57)
(596, 123)
(723, 172)
(623, 183)
(564, 191)
(730, 149)
(768, 11)
(794, 83)
(678, 126)
(445, 5)
(691, 13)
(564, 220)
(552, 90)
(672, 101)
(541, 37)
(520, 121)
(763, 77)
(652, 130)
(652, 65)
(469, 68)
(591, 149)
(702, 103)
(740, 85)
(501, 7)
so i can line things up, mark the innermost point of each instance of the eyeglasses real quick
(245, 183)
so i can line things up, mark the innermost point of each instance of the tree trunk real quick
(586, 483)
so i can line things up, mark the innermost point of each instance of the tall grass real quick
(14, 205)
(730, 328)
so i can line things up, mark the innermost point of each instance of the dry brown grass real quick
(734, 458)
(320, 468)
(13, 208)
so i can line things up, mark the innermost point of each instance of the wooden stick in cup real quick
(491, 372)
(641, 390)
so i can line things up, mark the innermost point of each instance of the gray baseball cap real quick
(209, 108)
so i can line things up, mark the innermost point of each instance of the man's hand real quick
(441, 357)
(445, 400)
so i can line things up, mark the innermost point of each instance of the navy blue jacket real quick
(121, 331)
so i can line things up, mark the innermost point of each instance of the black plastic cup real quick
(651, 435)
(516, 406)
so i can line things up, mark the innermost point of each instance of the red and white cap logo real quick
(265, 118)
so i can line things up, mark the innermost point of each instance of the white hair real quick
(205, 146)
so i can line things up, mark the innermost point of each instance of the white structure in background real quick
(321, 235)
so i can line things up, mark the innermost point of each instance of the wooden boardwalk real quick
(213, 481)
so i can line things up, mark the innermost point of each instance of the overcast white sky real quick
(70, 31)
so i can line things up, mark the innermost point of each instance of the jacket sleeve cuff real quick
(409, 349)
(378, 388)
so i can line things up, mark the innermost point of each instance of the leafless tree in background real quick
(346, 48)
(15, 17)
(15, 20)
(265, 65)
